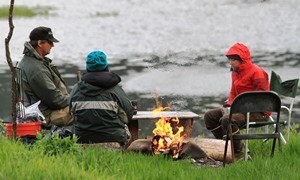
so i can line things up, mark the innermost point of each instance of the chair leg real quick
(246, 150)
(279, 140)
(279, 144)
(281, 135)
(226, 145)
(225, 150)
(282, 138)
(228, 136)
(277, 131)
(273, 147)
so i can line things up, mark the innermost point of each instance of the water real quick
(169, 49)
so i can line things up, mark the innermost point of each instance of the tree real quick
(12, 69)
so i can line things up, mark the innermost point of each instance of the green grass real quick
(106, 14)
(67, 160)
(24, 11)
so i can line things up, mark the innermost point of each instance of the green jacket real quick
(42, 81)
(100, 113)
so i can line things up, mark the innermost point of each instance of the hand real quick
(226, 105)
(134, 107)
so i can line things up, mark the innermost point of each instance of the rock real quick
(141, 145)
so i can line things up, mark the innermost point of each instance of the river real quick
(172, 50)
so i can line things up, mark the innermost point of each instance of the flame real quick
(168, 136)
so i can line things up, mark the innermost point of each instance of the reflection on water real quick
(185, 83)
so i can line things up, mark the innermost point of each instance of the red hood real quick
(241, 50)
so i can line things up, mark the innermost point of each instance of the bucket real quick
(23, 129)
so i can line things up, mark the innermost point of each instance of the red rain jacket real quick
(248, 76)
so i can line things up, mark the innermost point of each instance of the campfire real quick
(168, 136)
(172, 138)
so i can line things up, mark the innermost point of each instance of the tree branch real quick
(12, 69)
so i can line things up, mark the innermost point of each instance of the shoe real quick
(238, 147)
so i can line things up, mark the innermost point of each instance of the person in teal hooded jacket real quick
(246, 76)
(99, 105)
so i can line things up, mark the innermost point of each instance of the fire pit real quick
(172, 138)
(186, 119)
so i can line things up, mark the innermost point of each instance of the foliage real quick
(106, 14)
(2, 128)
(24, 11)
(55, 145)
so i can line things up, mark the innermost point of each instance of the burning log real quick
(196, 148)
(165, 145)
(168, 137)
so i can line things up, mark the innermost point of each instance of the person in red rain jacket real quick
(245, 76)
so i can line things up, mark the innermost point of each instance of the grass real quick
(24, 11)
(106, 14)
(70, 161)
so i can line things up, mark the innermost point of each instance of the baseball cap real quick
(42, 33)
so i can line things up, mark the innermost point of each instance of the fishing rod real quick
(19, 106)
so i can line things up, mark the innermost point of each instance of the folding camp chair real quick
(250, 102)
(287, 91)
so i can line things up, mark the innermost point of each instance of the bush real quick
(55, 145)
(2, 128)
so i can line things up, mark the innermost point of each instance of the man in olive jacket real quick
(100, 106)
(41, 79)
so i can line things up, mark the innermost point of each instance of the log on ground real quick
(193, 148)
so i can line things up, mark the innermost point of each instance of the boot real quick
(237, 146)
